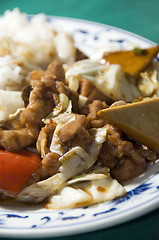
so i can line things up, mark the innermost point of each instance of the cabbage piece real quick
(60, 120)
(64, 106)
(10, 101)
(148, 84)
(80, 69)
(82, 101)
(109, 79)
(69, 197)
(93, 189)
(74, 162)
(89, 176)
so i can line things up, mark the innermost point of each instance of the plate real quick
(142, 192)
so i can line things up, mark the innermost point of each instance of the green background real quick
(138, 16)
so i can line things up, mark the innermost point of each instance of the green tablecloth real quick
(138, 16)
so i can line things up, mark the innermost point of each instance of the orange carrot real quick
(15, 169)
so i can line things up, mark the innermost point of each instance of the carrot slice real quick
(15, 169)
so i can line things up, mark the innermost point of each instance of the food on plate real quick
(16, 168)
(133, 62)
(134, 118)
(58, 143)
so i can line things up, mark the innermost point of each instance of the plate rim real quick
(97, 24)
(49, 233)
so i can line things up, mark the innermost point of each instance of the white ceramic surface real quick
(143, 192)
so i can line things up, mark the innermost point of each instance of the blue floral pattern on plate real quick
(142, 193)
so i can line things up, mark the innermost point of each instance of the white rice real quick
(14, 73)
(33, 44)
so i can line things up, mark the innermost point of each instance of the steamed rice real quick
(14, 73)
(27, 45)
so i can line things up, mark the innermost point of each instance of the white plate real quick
(143, 192)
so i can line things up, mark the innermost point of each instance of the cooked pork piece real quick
(14, 140)
(125, 160)
(41, 103)
(44, 139)
(92, 117)
(91, 93)
(26, 93)
(80, 55)
(87, 89)
(75, 133)
(50, 163)
(55, 71)
(39, 175)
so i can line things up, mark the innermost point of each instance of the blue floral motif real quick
(103, 212)
(7, 216)
(13, 216)
(82, 31)
(97, 35)
(72, 217)
(117, 40)
(136, 191)
(120, 42)
(81, 34)
(86, 35)
(46, 220)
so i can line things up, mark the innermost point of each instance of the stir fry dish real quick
(73, 130)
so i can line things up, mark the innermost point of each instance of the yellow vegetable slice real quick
(138, 120)
(132, 62)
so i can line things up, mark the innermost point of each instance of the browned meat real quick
(92, 117)
(50, 163)
(40, 105)
(44, 138)
(108, 155)
(13, 124)
(127, 169)
(55, 71)
(26, 94)
(39, 175)
(148, 154)
(114, 136)
(36, 75)
(80, 55)
(96, 94)
(14, 140)
(87, 89)
(41, 101)
(125, 160)
(74, 133)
